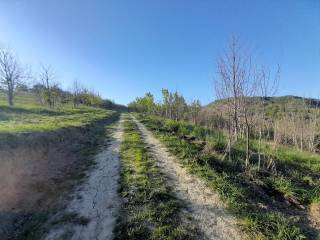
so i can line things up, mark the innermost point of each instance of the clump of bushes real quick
(199, 132)
(215, 144)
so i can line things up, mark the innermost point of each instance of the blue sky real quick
(123, 48)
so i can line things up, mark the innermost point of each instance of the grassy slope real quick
(81, 143)
(265, 202)
(29, 116)
(86, 151)
(150, 211)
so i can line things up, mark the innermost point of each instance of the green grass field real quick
(28, 115)
(75, 149)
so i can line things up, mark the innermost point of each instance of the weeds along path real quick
(150, 210)
(93, 210)
(204, 206)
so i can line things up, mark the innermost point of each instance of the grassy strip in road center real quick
(150, 210)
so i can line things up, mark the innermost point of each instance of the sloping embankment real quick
(35, 171)
(96, 201)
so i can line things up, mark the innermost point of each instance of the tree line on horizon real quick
(173, 106)
(44, 84)
(245, 109)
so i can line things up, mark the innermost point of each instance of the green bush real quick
(185, 129)
(315, 194)
(199, 132)
(171, 126)
(215, 144)
(282, 185)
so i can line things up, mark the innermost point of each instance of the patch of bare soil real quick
(205, 206)
(95, 203)
(315, 215)
(27, 177)
(36, 171)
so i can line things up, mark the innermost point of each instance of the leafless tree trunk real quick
(231, 67)
(11, 73)
(313, 123)
(195, 108)
(267, 88)
(235, 83)
(76, 90)
(47, 80)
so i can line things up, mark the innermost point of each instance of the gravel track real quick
(97, 199)
(205, 206)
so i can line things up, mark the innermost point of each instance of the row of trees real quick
(173, 106)
(245, 109)
(245, 89)
(48, 92)
(297, 125)
(13, 76)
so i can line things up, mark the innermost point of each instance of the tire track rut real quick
(205, 206)
(97, 199)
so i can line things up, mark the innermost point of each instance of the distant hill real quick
(273, 105)
(310, 102)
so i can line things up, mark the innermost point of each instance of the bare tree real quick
(232, 85)
(247, 92)
(11, 73)
(47, 79)
(76, 90)
(267, 88)
(313, 121)
(195, 108)
(231, 68)
(166, 103)
(179, 106)
(238, 84)
(223, 92)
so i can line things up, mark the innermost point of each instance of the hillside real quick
(29, 116)
(260, 156)
(278, 103)
(290, 120)
(44, 152)
(279, 200)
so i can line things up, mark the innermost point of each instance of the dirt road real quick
(204, 205)
(96, 202)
